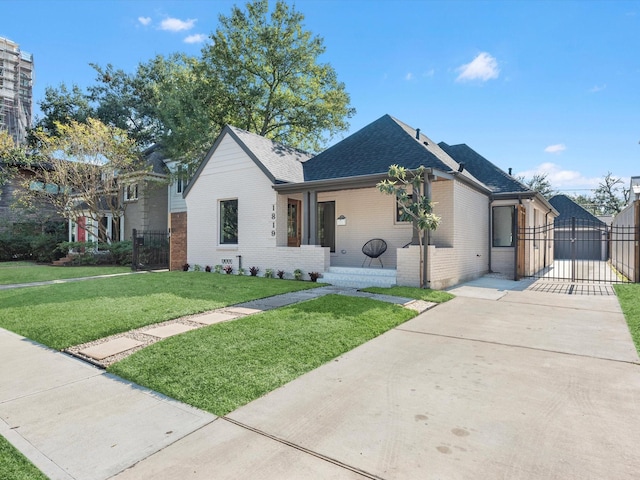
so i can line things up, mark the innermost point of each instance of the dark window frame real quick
(496, 236)
(228, 228)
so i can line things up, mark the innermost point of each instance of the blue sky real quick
(544, 86)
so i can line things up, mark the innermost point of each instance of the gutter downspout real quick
(515, 243)
(425, 270)
(490, 231)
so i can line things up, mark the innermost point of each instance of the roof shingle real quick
(282, 162)
(373, 149)
(568, 209)
(493, 177)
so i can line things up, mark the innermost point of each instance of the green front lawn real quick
(67, 314)
(426, 294)
(27, 272)
(15, 466)
(629, 298)
(224, 366)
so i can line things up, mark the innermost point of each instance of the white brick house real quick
(255, 203)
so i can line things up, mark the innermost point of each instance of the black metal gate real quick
(576, 250)
(150, 250)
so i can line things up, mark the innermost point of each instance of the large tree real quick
(611, 195)
(61, 105)
(271, 79)
(79, 170)
(262, 71)
(539, 183)
(11, 155)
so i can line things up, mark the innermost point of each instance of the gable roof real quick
(568, 209)
(493, 177)
(281, 164)
(372, 149)
(155, 158)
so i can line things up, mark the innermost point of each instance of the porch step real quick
(359, 277)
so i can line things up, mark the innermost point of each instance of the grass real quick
(629, 298)
(63, 315)
(15, 466)
(26, 272)
(224, 366)
(426, 294)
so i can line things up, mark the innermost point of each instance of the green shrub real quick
(32, 241)
(90, 253)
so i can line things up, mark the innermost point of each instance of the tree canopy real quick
(261, 71)
(539, 183)
(79, 170)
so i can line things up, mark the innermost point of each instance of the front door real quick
(327, 225)
(82, 233)
(294, 226)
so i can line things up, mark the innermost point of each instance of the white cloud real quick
(484, 67)
(429, 73)
(557, 148)
(598, 88)
(195, 38)
(144, 20)
(561, 178)
(177, 25)
(409, 76)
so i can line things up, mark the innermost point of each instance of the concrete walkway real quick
(106, 351)
(526, 385)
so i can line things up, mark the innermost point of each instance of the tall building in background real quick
(16, 94)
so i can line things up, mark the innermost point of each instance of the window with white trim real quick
(131, 192)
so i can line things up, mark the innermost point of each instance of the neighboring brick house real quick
(177, 213)
(253, 202)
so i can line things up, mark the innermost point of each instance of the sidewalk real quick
(461, 391)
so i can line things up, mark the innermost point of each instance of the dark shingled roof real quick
(568, 209)
(372, 150)
(493, 177)
(283, 163)
(154, 156)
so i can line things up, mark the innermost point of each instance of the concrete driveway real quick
(519, 385)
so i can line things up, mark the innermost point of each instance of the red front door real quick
(82, 233)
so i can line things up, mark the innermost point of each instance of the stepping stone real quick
(393, 299)
(244, 310)
(211, 318)
(168, 330)
(419, 305)
(112, 347)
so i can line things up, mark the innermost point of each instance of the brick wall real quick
(408, 270)
(460, 251)
(370, 214)
(178, 245)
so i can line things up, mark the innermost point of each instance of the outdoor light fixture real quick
(461, 167)
(341, 220)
